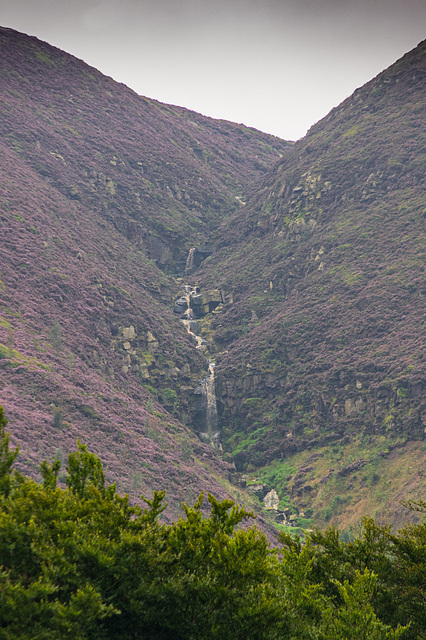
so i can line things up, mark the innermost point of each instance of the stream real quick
(207, 386)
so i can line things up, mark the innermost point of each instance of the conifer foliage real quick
(81, 562)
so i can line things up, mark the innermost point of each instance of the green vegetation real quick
(43, 56)
(81, 562)
(16, 358)
(169, 396)
(55, 336)
(88, 411)
(58, 416)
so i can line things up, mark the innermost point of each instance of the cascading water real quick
(209, 396)
(208, 421)
(188, 319)
(189, 266)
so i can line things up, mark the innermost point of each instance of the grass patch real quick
(16, 357)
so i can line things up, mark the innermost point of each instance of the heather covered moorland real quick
(306, 280)
(102, 193)
(162, 175)
(320, 366)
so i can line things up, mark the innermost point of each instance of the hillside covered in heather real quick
(102, 193)
(306, 284)
(321, 369)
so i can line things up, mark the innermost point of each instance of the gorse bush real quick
(81, 562)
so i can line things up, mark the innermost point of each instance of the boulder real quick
(259, 490)
(211, 299)
(180, 306)
(129, 333)
(197, 302)
(185, 370)
(110, 187)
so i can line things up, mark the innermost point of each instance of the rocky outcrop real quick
(195, 257)
(201, 302)
(271, 500)
(259, 490)
(351, 468)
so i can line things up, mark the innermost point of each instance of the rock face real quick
(259, 490)
(201, 303)
(181, 305)
(195, 257)
(271, 500)
(354, 466)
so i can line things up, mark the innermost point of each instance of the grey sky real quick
(277, 65)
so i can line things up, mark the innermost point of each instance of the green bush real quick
(81, 563)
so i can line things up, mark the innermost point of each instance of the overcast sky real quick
(277, 65)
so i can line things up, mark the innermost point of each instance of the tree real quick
(398, 561)
(201, 578)
(84, 470)
(82, 563)
(409, 584)
(355, 619)
(303, 600)
(50, 473)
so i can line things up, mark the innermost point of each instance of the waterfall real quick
(189, 266)
(207, 419)
(188, 319)
(209, 396)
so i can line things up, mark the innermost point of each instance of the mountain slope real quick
(314, 302)
(99, 188)
(163, 175)
(323, 344)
